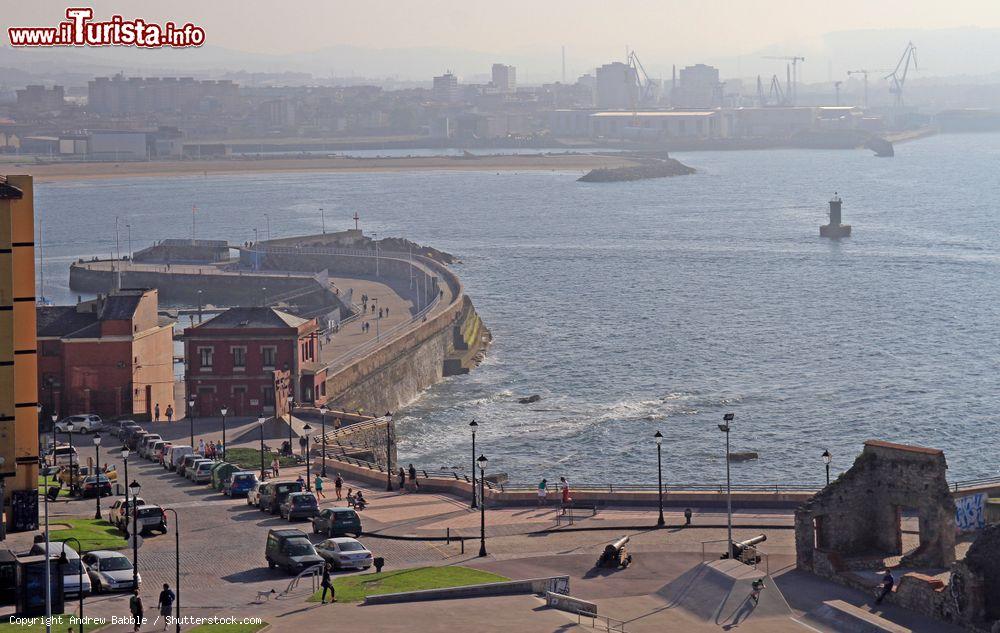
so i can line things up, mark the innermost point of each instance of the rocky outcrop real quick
(529, 399)
(648, 168)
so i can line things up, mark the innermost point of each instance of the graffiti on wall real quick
(970, 512)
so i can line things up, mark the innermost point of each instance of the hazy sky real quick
(588, 28)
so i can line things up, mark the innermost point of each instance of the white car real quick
(116, 515)
(72, 576)
(85, 423)
(110, 571)
(344, 552)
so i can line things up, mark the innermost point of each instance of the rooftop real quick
(255, 317)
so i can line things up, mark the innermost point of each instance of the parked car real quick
(344, 552)
(221, 474)
(337, 521)
(299, 505)
(239, 483)
(110, 571)
(84, 423)
(174, 456)
(82, 472)
(96, 485)
(72, 577)
(153, 450)
(130, 433)
(135, 440)
(63, 455)
(116, 515)
(201, 471)
(274, 495)
(253, 497)
(291, 550)
(144, 444)
(185, 463)
(119, 427)
(147, 518)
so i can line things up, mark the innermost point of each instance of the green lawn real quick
(63, 492)
(229, 628)
(354, 588)
(93, 534)
(249, 458)
(37, 625)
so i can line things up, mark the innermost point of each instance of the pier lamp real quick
(388, 451)
(827, 458)
(134, 488)
(224, 411)
(658, 437)
(473, 425)
(191, 419)
(482, 505)
(260, 425)
(727, 421)
(305, 433)
(322, 414)
(97, 475)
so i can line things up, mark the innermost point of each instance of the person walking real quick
(327, 585)
(542, 491)
(887, 584)
(402, 479)
(170, 413)
(165, 602)
(319, 487)
(274, 467)
(338, 485)
(156, 412)
(756, 588)
(414, 486)
(566, 498)
(135, 608)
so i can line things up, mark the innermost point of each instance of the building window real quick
(239, 358)
(206, 356)
(269, 356)
(239, 392)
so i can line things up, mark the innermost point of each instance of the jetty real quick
(648, 168)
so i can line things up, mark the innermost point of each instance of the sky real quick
(590, 28)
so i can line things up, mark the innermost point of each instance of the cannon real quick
(746, 551)
(615, 555)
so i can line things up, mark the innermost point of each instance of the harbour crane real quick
(898, 75)
(643, 93)
(793, 91)
(776, 93)
(865, 72)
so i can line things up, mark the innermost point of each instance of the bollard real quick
(379, 563)
(462, 540)
(447, 536)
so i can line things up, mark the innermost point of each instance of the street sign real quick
(138, 541)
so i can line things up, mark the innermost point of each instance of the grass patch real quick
(37, 625)
(92, 534)
(249, 458)
(229, 628)
(63, 492)
(356, 587)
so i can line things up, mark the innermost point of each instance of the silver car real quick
(71, 570)
(110, 571)
(201, 471)
(344, 552)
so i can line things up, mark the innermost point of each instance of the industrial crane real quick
(774, 95)
(898, 75)
(865, 72)
(793, 91)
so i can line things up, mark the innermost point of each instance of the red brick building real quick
(110, 356)
(250, 359)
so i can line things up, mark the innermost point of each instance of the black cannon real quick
(745, 551)
(615, 555)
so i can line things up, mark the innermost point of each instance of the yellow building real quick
(18, 362)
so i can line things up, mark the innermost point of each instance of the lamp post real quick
(482, 505)
(291, 441)
(322, 218)
(134, 488)
(63, 560)
(224, 411)
(659, 476)
(388, 451)
(473, 425)
(72, 466)
(125, 454)
(97, 475)
(48, 566)
(191, 418)
(177, 569)
(827, 458)
(305, 433)
(727, 420)
(322, 412)
(260, 425)
(3, 516)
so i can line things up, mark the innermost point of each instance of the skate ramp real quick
(837, 615)
(719, 592)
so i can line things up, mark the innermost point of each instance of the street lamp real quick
(827, 458)
(473, 425)
(191, 419)
(72, 466)
(224, 411)
(125, 454)
(3, 522)
(659, 476)
(134, 488)
(482, 505)
(727, 420)
(322, 412)
(177, 569)
(305, 433)
(97, 475)
(260, 424)
(291, 409)
(388, 451)
(64, 560)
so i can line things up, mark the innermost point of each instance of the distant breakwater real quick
(649, 168)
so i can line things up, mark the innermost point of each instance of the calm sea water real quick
(662, 304)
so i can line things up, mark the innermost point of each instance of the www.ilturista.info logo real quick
(79, 29)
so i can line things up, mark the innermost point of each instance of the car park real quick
(201, 471)
(148, 518)
(274, 495)
(71, 569)
(298, 505)
(253, 497)
(84, 423)
(343, 552)
(116, 515)
(337, 521)
(96, 485)
(110, 571)
(221, 474)
(291, 550)
(144, 444)
(239, 483)
(174, 456)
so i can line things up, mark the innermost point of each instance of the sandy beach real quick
(48, 172)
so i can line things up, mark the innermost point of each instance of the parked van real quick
(175, 455)
(291, 550)
(63, 455)
(72, 576)
(145, 443)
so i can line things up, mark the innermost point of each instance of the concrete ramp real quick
(274, 429)
(837, 615)
(719, 592)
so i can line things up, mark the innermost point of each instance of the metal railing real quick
(312, 572)
(608, 624)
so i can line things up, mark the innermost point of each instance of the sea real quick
(657, 305)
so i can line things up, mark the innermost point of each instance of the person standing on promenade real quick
(566, 498)
(319, 487)
(274, 467)
(156, 413)
(413, 479)
(170, 413)
(542, 491)
(338, 485)
(402, 479)
(201, 446)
